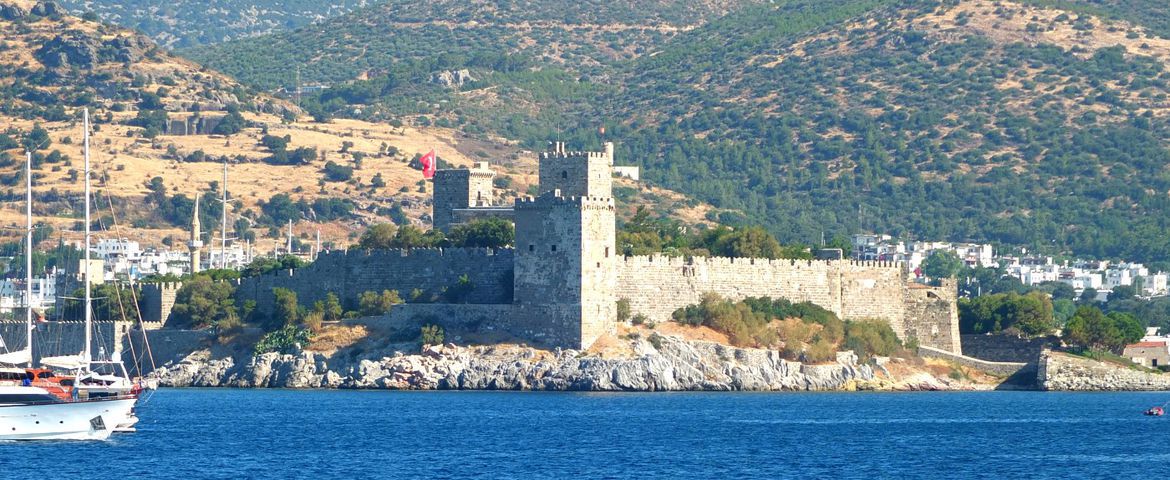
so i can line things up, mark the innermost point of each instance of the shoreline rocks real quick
(671, 365)
(1064, 372)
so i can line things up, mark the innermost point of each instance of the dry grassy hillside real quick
(48, 89)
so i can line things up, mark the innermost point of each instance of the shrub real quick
(285, 341)
(372, 304)
(623, 309)
(431, 335)
(871, 338)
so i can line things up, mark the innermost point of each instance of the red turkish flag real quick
(428, 164)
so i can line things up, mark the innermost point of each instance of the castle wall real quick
(460, 189)
(932, 316)
(577, 174)
(349, 274)
(158, 299)
(656, 286)
(61, 338)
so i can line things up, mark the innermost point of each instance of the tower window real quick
(554, 247)
(606, 252)
(564, 175)
(531, 247)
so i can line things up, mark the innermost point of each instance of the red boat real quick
(1155, 412)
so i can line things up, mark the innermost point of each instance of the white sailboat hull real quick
(94, 420)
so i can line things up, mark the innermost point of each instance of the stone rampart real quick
(61, 338)
(1006, 348)
(349, 274)
(656, 286)
(158, 299)
(1064, 372)
(932, 316)
(1002, 369)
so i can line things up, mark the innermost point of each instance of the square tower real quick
(565, 266)
(577, 174)
(459, 189)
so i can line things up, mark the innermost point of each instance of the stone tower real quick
(196, 241)
(458, 189)
(577, 174)
(565, 263)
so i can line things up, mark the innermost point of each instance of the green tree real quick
(378, 236)
(431, 335)
(485, 233)
(1089, 295)
(942, 264)
(1091, 328)
(285, 311)
(1122, 292)
(332, 308)
(749, 242)
(372, 304)
(202, 303)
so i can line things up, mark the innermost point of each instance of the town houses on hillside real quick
(1097, 275)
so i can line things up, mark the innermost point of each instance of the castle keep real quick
(559, 285)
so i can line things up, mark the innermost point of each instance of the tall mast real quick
(289, 247)
(223, 224)
(28, 252)
(86, 354)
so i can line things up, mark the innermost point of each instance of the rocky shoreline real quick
(666, 364)
(1063, 372)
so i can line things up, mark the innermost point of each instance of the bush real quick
(431, 335)
(372, 304)
(623, 309)
(285, 341)
(869, 338)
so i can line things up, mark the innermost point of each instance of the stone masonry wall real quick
(348, 274)
(1006, 348)
(932, 316)
(157, 301)
(59, 338)
(1064, 372)
(657, 286)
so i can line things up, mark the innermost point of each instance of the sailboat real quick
(33, 413)
(106, 376)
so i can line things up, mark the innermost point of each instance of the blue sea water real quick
(223, 433)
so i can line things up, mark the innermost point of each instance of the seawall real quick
(1063, 372)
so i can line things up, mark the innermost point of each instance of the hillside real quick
(1007, 122)
(190, 23)
(141, 99)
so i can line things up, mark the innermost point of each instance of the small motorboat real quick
(1155, 412)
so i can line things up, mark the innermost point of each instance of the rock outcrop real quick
(78, 49)
(1063, 372)
(668, 364)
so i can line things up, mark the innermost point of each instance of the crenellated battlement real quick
(553, 201)
(574, 156)
(740, 261)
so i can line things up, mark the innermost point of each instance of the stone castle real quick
(560, 284)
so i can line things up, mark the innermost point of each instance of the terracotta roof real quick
(1146, 345)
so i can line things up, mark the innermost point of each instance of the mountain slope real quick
(997, 121)
(191, 23)
(986, 121)
(53, 65)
